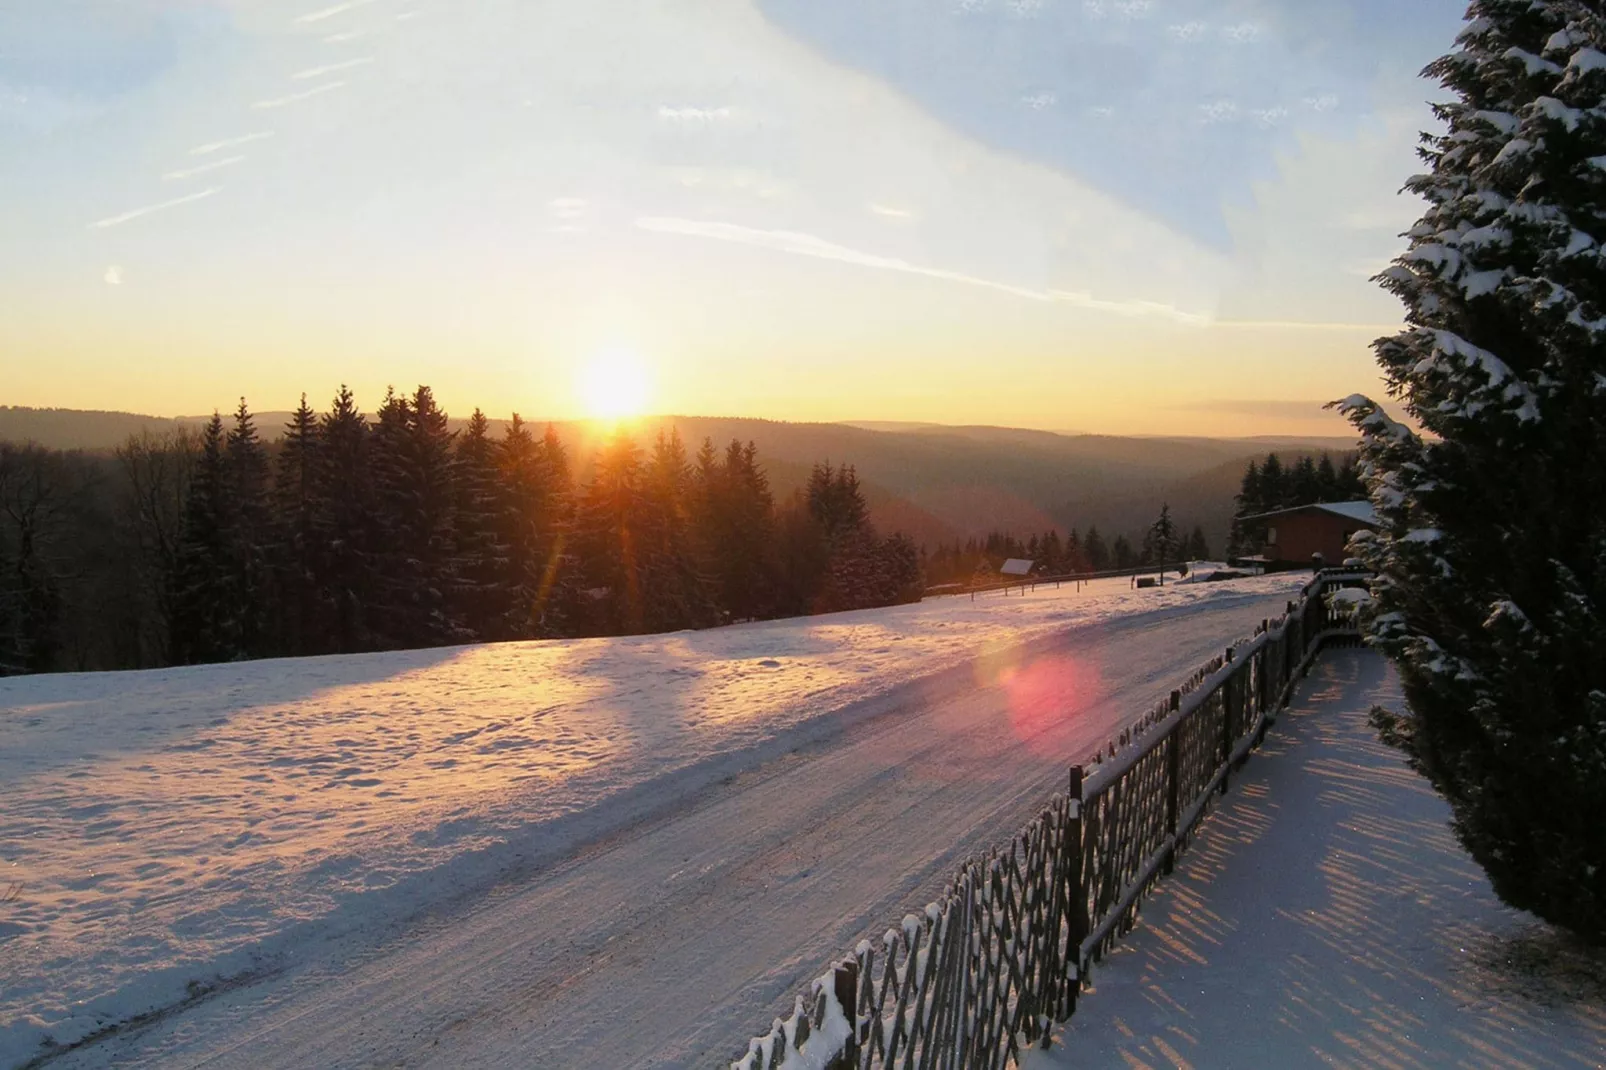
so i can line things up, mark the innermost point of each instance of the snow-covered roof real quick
(1360, 512)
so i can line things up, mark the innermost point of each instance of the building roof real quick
(1360, 512)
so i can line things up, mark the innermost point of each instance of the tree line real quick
(353, 533)
(980, 558)
(1270, 485)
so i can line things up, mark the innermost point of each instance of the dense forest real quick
(352, 533)
(1270, 485)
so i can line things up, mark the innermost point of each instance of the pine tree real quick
(1491, 589)
(1197, 548)
(1053, 551)
(675, 594)
(837, 501)
(1097, 554)
(1274, 485)
(205, 627)
(391, 607)
(803, 557)
(902, 579)
(608, 525)
(295, 588)
(1328, 486)
(557, 608)
(1351, 486)
(484, 584)
(1243, 536)
(519, 471)
(418, 568)
(1160, 542)
(347, 525)
(1305, 482)
(428, 528)
(837, 504)
(1121, 554)
(738, 528)
(248, 533)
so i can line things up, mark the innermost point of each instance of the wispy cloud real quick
(117, 220)
(799, 244)
(331, 68)
(229, 143)
(279, 102)
(113, 276)
(191, 172)
(344, 35)
(1129, 307)
(692, 116)
(890, 212)
(331, 12)
(1187, 31)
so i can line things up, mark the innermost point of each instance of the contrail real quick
(149, 208)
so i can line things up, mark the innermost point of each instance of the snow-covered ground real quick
(174, 826)
(1327, 917)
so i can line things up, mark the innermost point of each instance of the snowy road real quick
(669, 941)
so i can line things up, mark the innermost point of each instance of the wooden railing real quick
(987, 969)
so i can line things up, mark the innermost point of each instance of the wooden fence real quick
(987, 969)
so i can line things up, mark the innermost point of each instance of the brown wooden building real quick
(1293, 535)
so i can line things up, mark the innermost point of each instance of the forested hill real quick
(931, 481)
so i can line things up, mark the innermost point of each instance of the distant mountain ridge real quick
(932, 481)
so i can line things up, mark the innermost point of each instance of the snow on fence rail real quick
(985, 970)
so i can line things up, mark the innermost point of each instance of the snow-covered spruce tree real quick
(1491, 591)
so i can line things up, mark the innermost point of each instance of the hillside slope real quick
(932, 482)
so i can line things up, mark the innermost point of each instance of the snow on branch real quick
(1369, 417)
(1450, 354)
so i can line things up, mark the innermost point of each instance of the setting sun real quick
(613, 385)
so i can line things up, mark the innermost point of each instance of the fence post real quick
(1262, 685)
(1077, 891)
(1229, 723)
(846, 984)
(1173, 785)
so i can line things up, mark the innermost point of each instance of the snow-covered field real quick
(178, 826)
(1326, 917)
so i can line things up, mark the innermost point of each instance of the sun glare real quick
(613, 385)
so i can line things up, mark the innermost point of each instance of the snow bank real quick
(184, 825)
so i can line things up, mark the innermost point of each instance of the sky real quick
(1115, 216)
